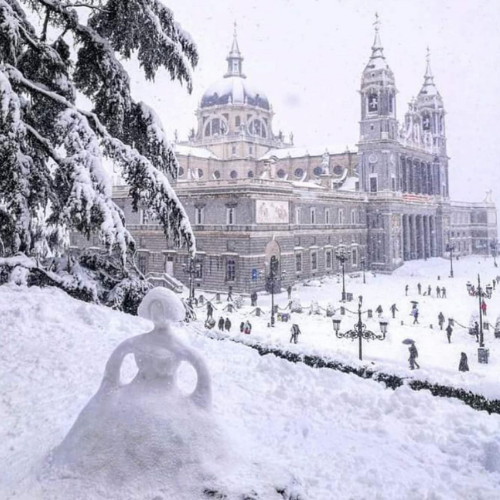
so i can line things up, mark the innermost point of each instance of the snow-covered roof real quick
(349, 184)
(308, 151)
(193, 151)
(307, 184)
(234, 90)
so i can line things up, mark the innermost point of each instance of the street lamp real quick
(480, 296)
(450, 248)
(494, 250)
(341, 256)
(359, 330)
(363, 268)
(192, 268)
(272, 278)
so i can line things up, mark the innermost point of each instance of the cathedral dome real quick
(234, 90)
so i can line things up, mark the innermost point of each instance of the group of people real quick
(246, 327)
(440, 291)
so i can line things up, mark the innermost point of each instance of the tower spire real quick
(428, 88)
(377, 49)
(234, 58)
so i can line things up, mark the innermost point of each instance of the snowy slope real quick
(340, 436)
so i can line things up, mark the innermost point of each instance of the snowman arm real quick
(202, 394)
(112, 371)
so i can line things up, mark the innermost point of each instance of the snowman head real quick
(162, 306)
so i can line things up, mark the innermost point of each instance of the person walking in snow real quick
(253, 298)
(230, 294)
(242, 326)
(483, 307)
(406, 290)
(441, 320)
(289, 292)
(494, 283)
(429, 290)
(210, 311)
(295, 333)
(443, 292)
(227, 324)
(413, 357)
(414, 312)
(463, 365)
(476, 330)
(438, 292)
(449, 331)
(419, 287)
(379, 311)
(221, 324)
(393, 310)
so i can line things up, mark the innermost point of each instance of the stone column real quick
(432, 228)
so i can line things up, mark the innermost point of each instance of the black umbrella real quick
(414, 302)
(408, 341)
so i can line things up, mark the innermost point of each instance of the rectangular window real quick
(230, 270)
(199, 215)
(327, 216)
(373, 185)
(297, 216)
(142, 263)
(354, 256)
(298, 262)
(353, 216)
(393, 183)
(230, 216)
(233, 150)
(314, 261)
(341, 216)
(313, 216)
(199, 269)
(328, 259)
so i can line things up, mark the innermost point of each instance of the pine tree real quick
(52, 179)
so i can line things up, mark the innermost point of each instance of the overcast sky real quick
(307, 56)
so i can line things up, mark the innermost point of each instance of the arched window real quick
(337, 170)
(250, 174)
(258, 128)
(233, 174)
(281, 173)
(216, 126)
(318, 171)
(217, 174)
(181, 172)
(299, 173)
(200, 173)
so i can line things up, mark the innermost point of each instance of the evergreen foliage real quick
(53, 180)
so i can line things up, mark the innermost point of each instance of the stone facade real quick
(252, 195)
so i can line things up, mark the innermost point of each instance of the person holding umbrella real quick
(413, 353)
(413, 356)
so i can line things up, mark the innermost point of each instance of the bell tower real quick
(431, 109)
(378, 96)
(377, 147)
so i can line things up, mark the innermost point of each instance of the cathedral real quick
(257, 204)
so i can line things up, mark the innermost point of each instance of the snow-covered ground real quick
(341, 437)
(438, 359)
